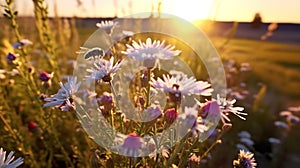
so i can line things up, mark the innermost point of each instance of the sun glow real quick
(188, 9)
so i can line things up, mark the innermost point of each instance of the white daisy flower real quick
(245, 159)
(64, 97)
(102, 70)
(107, 26)
(222, 107)
(227, 107)
(150, 51)
(181, 84)
(7, 163)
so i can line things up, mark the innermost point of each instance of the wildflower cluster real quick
(135, 107)
(182, 113)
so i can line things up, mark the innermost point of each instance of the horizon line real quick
(197, 20)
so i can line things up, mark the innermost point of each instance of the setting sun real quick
(188, 9)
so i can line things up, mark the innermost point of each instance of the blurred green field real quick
(276, 64)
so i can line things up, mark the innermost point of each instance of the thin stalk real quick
(112, 122)
(217, 141)
(176, 150)
(30, 82)
(149, 70)
(184, 158)
(114, 93)
(43, 28)
(19, 141)
(64, 152)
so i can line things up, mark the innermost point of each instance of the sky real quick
(221, 10)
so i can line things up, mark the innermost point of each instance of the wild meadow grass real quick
(262, 76)
(274, 63)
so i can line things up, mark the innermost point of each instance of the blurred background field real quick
(269, 86)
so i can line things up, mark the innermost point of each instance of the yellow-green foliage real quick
(259, 98)
(276, 64)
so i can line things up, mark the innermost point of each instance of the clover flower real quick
(107, 26)
(11, 57)
(31, 70)
(102, 70)
(32, 126)
(150, 52)
(45, 77)
(181, 85)
(64, 97)
(211, 107)
(170, 115)
(131, 145)
(245, 160)
(106, 103)
(7, 163)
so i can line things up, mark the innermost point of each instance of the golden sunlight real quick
(188, 9)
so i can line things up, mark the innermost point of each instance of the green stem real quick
(184, 158)
(141, 128)
(217, 141)
(64, 152)
(43, 28)
(148, 87)
(112, 122)
(19, 141)
(176, 151)
(114, 94)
